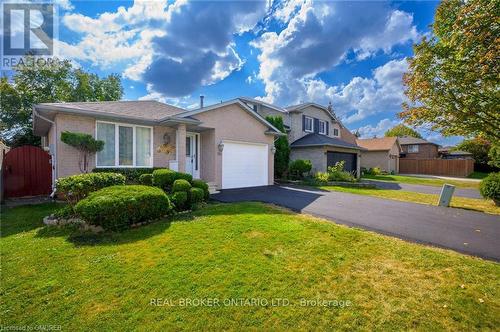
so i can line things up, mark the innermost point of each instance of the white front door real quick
(192, 155)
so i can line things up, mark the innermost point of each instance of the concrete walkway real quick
(465, 231)
(418, 188)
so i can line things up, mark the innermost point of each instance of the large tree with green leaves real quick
(453, 79)
(37, 83)
(401, 130)
(479, 147)
(282, 154)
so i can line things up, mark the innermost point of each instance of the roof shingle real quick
(377, 144)
(319, 140)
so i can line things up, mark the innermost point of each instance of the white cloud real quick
(378, 130)
(319, 36)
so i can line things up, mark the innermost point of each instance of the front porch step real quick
(212, 188)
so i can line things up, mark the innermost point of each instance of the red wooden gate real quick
(26, 171)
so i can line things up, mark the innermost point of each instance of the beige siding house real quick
(227, 144)
(315, 134)
(381, 152)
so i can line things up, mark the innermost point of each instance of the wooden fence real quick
(446, 167)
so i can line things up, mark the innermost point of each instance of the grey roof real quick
(458, 153)
(256, 101)
(321, 140)
(405, 140)
(146, 109)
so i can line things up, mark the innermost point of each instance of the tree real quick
(452, 80)
(34, 83)
(85, 144)
(401, 130)
(479, 147)
(282, 154)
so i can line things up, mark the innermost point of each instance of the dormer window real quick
(308, 124)
(322, 127)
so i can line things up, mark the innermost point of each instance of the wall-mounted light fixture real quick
(273, 149)
(221, 146)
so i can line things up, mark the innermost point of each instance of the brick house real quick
(417, 148)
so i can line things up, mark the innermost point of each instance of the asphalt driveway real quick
(466, 231)
(418, 188)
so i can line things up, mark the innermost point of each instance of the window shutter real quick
(303, 122)
(316, 126)
(327, 128)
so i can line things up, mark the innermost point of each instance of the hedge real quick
(202, 185)
(196, 196)
(118, 207)
(76, 187)
(181, 185)
(164, 178)
(180, 200)
(132, 174)
(490, 187)
(146, 179)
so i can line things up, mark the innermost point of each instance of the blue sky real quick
(352, 53)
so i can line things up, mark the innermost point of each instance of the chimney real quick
(201, 100)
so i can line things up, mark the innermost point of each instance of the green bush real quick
(298, 167)
(180, 200)
(196, 195)
(337, 173)
(65, 212)
(164, 178)
(373, 171)
(321, 177)
(76, 187)
(202, 185)
(132, 174)
(146, 179)
(490, 187)
(181, 185)
(117, 207)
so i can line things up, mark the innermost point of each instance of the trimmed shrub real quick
(146, 179)
(118, 207)
(202, 185)
(76, 187)
(298, 167)
(181, 185)
(164, 178)
(180, 200)
(196, 195)
(65, 212)
(490, 187)
(132, 174)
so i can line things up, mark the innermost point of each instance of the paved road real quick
(470, 193)
(466, 231)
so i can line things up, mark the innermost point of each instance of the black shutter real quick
(316, 125)
(327, 128)
(303, 122)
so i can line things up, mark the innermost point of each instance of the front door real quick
(192, 156)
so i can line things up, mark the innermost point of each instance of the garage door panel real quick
(244, 165)
(350, 160)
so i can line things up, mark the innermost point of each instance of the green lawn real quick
(424, 181)
(59, 276)
(481, 205)
(478, 175)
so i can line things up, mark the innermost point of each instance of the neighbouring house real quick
(447, 152)
(314, 133)
(380, 152)
(418, 148)
(228, 145)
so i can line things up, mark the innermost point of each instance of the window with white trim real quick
(322, 127)
(308, 124)
(124, 145)
(413, 148)
(335, 132)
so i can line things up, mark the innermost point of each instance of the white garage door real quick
(244, 165)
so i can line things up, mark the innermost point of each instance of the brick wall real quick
(425, 151)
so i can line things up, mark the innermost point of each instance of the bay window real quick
(124, 145)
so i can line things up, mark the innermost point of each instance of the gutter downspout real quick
(54, 159)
